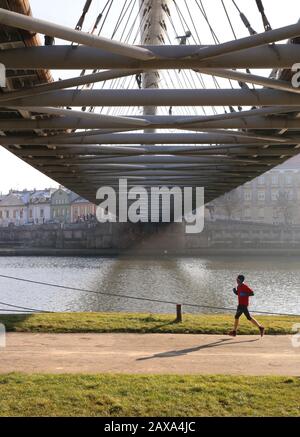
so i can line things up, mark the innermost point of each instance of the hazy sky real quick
(17, 174)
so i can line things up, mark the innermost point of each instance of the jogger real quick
(244, 292)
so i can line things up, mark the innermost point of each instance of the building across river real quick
(50, 205)
(272, 198)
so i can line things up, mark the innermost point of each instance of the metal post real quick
(178, 313)
(238, 115)
(134, 122)
(159, 138)
(67, 83)
(152, 15)
(168, 57)
(275, 84)
(162, 97)
(257, 40)
(20, 21)
(160, 122)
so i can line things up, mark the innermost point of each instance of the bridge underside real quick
(84, 150)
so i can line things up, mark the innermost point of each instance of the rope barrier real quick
(23, 308)
(6, 310)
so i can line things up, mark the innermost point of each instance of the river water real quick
(204, 281)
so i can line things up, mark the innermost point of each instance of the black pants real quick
(242, 309)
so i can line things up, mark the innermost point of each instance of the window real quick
(21, 213)
(247, 195)
(41, 213)
(261, 195)
(15, 214)
(274, 195)
(289, 179)
(7, 214)
(1, 214)
(261, 180)
(30, 213)
(274, 179)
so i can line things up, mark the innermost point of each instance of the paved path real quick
(149, 353)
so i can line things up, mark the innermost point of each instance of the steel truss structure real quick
(84, 150)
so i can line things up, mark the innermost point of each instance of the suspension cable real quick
(244, 19)
(229, 19)
(265, 20)
(83, 15)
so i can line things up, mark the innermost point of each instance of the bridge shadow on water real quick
(147, 267)
(176, 353)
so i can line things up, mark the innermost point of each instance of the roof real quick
(71, 195)
(41, 195)
(31, 196)
(12, 199)
(80, 199)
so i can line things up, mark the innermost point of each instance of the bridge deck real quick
(82, 166)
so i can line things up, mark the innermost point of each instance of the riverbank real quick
(141, 395)
(220, 237)
(142, 323)
(140, 252)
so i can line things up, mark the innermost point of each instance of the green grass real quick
(141, 323)
(139, 395)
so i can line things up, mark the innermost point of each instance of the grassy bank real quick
(141, 323)
(163, 395)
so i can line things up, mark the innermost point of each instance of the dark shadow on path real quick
(223, 342)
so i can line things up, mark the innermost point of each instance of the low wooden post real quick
(178, 313)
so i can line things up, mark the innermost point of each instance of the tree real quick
(229, 203)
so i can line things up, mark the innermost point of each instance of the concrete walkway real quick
(149, 353)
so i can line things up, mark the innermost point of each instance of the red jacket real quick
(243, 292)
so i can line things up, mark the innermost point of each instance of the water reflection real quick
(205, 281)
